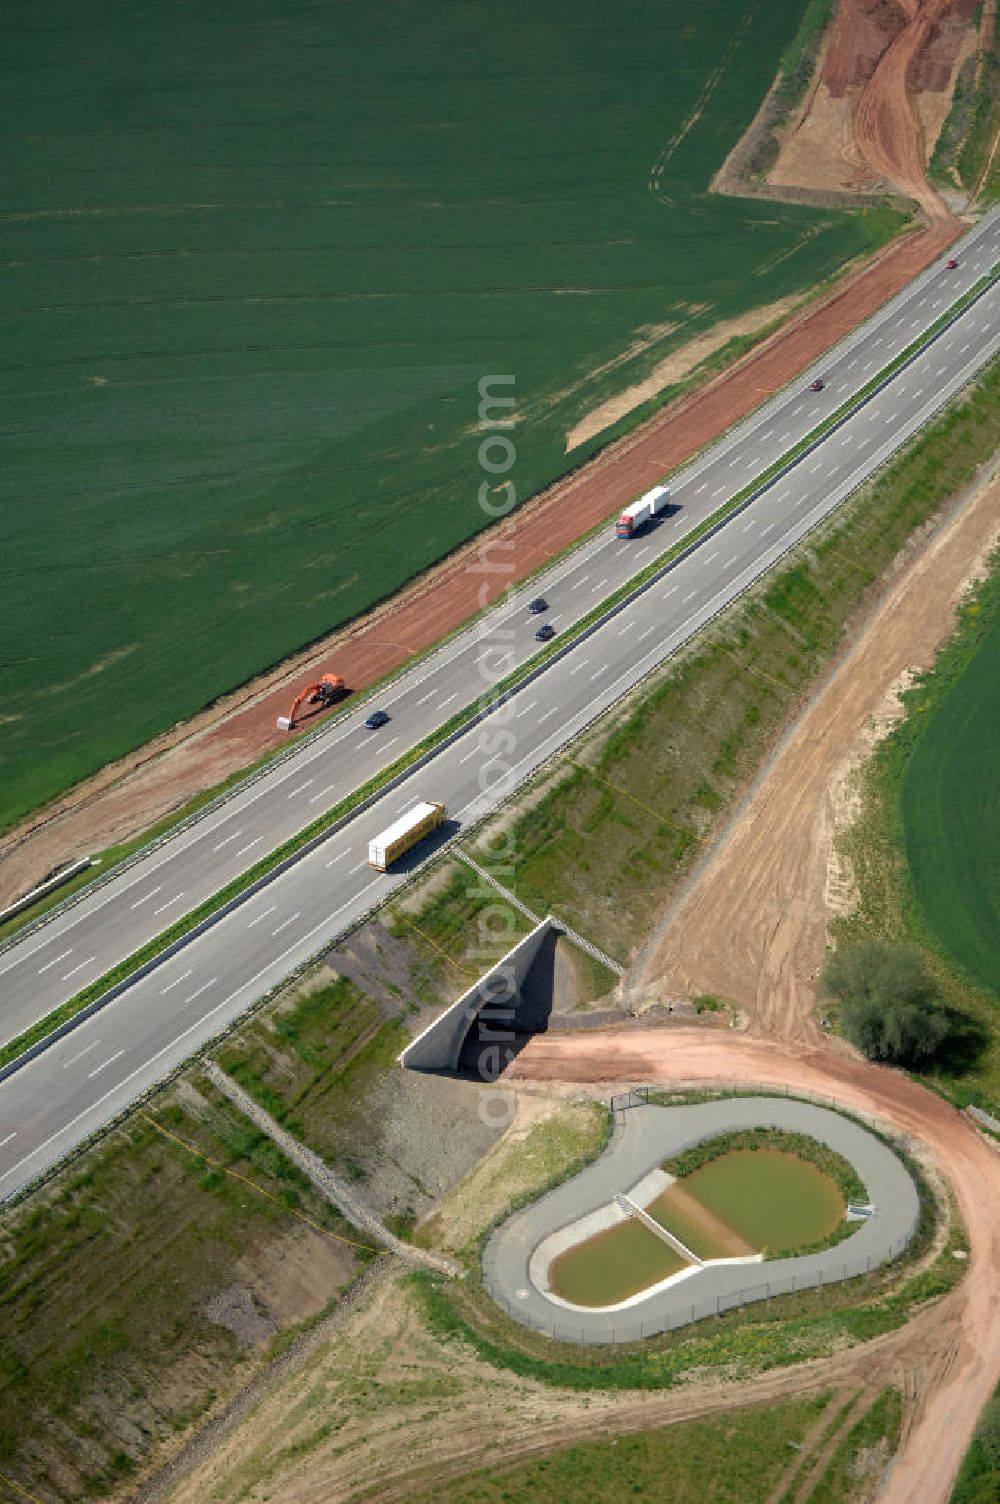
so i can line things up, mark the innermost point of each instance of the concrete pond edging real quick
(517, 1255)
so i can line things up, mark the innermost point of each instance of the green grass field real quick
(256, 261)
(733, 1459)
(951, 811)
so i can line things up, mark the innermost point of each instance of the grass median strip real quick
(466, 716)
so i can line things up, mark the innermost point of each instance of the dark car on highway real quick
(545, 633)
(376, 719)
(817, 385)
(538, 605)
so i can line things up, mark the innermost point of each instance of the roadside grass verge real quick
(612, 827)
(935, 916)
(117, 1278)
(311, 1062)
(736, 1458)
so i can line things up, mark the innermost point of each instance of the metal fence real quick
(675, 1309)
(629, 1326)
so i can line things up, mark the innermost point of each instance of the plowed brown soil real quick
(886, 127)
(882, 91)
(129, 796)
(949, 1357)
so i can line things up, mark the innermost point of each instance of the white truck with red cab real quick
(641, 512)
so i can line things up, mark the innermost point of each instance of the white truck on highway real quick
(404, 833)
(641, 512)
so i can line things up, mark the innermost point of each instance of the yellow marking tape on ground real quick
(235, 1174)
(22, 1493)
(440, 948)
(661, 819)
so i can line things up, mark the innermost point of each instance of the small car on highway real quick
(538, 605)
(951, 263)
(817, 385)
(545, 633)
(376, 719)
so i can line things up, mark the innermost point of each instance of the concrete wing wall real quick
(439, 1047)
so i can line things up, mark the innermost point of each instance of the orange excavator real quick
(325, 692)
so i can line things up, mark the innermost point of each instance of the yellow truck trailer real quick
(404, 833)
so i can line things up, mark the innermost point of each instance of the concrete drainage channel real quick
(519, 1252)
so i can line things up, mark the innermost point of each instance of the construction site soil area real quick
(880, 95)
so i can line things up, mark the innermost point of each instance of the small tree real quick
(889, 1006)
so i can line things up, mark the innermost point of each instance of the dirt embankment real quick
(751, 925)
(882, 90)
(129, 796)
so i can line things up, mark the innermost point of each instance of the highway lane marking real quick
(701, 488)
(785, 437)
(360, 867)
(390, 743)
(234, 837)
(322, 793)
(628, 627)
(79, 968)
(529, 707)
(750, 522)
(177, 981)
(8, 1138)
(547, 714)
(447, 702)
(338, 858)
(301, 788)
(173, 1043)
(600, 585)
(689, 597)
(180, 895)
(424, 698)
(397, 811)
(582, 664)
(286, 922)
(668, 592)
(643, 635)
(580, 581)
(80, 1054)
(769, 529)
(55, 960)
(711, 556)
(259, 917)
(796, 410)
(104, 1064)
(147, 896)
(255, 842)
(467, 756)
(203, 988)
(766, 435)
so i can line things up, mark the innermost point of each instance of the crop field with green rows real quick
(256, 259)
(951, 812)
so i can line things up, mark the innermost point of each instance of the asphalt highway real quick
(58, 1099)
